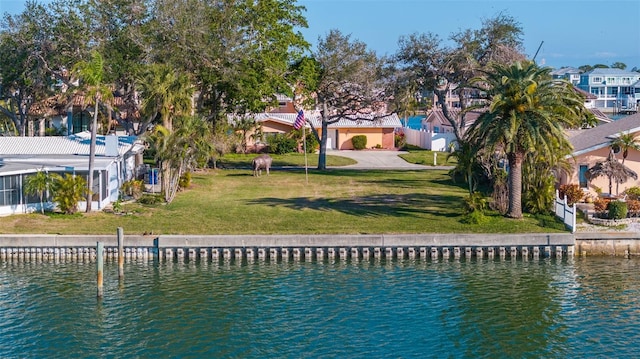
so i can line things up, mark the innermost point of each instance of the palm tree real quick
(188, 147)
(528, 112)
(626, 141)
(166, 93)
(612, 169)
(39, 183)
(91, 74)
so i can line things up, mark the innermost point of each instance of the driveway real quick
(380, 159)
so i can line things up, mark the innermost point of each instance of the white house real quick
(117, 160)
(616, 90)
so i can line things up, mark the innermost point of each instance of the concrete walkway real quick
(380, 159)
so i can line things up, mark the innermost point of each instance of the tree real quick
(91, 75)
(186, 148)
(23, 80)
(39, 183)
(438, 68)
(237, 52)
(528, 112)
(619, 65)
(166, 93)
(625, 142)
(345, 78)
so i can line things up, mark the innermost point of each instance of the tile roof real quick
(77, 144)
(600, 136)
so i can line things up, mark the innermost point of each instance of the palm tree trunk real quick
(515, 185)
(92, 156)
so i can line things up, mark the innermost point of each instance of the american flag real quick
(299, 120)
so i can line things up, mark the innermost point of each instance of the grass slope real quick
(337, 201)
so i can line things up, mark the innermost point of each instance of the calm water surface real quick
(401, 309)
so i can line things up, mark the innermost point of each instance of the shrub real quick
(68, 191)
(633, 193)
(151, 199)
(359, 142)
(475, 202)
(400, 140)
(133, 188)
(280, 144)
(312, 143)
(634, 207)
(475, 217)
(600, 204)
(572, 192)
(185, 180)
(617, 210)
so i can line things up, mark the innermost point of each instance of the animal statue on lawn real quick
(259, 163)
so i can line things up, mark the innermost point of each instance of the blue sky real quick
(575, 32)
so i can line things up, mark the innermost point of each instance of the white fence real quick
(565, 212)
(428, 140)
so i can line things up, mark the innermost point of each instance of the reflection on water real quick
(486, 308)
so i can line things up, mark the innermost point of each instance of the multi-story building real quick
(570, 74)
(617, 91)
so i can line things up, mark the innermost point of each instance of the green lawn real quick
(232, 201)
(425, 157)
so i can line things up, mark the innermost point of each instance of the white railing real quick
(566, 212)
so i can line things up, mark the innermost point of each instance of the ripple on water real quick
(368, 309)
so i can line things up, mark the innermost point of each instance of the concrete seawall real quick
(323, 246)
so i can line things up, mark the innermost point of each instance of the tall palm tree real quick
(39, 183)
(165, 93)
(91, 76)
(528, 112)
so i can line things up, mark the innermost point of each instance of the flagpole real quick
(304, 147)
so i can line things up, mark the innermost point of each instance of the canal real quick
(457, 308)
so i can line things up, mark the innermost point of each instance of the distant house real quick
(592, 145)
(616, 90)
(570, 74)
(118, 159)
(380, 133)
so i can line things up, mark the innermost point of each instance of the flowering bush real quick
(572, 192)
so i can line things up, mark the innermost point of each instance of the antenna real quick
(538, 50)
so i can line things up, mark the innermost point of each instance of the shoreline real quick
(625, 244)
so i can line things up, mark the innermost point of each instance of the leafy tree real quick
(346, 80)
(91, 75)
(238, 52)
(619, 65)
(68, 191)
(438, 68)
(23, 80)
(39, 183)
(528, 113)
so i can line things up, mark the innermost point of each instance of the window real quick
(582, 176)
(9, 191)
(611, 80)
(596, 79)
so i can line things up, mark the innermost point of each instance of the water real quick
(402, 309)
(413, 122)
